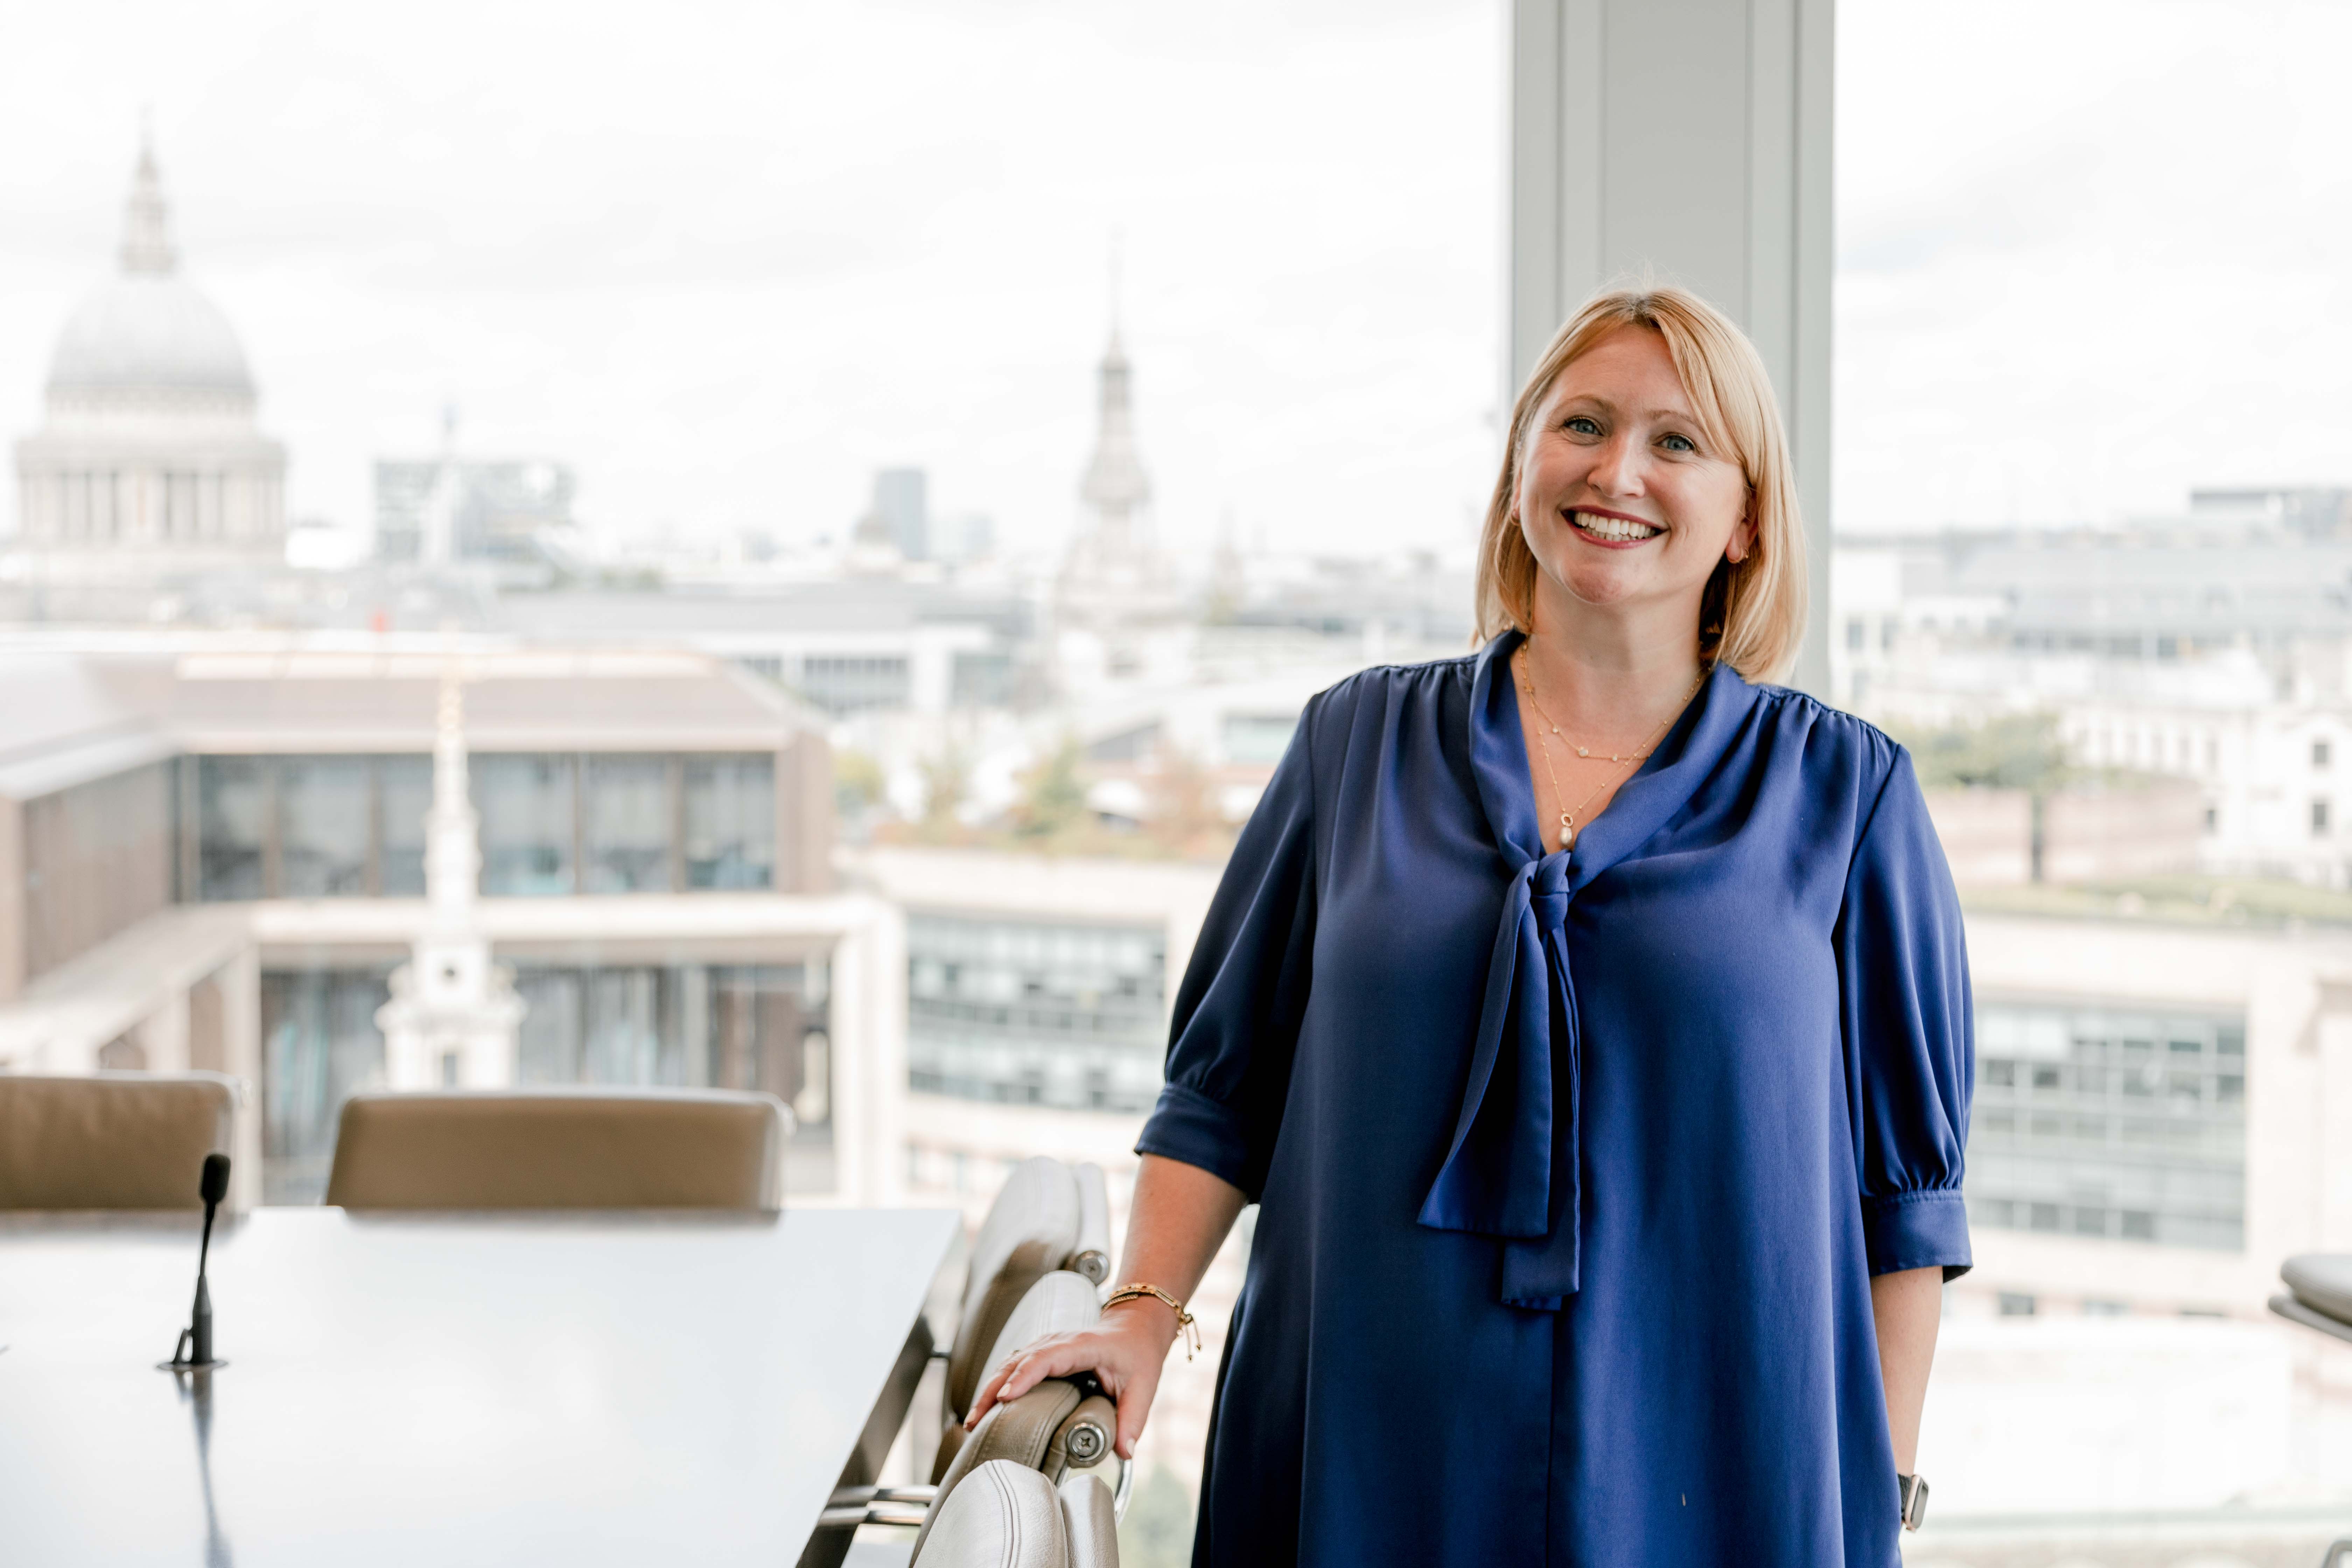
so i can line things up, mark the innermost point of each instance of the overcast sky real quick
(726, 260)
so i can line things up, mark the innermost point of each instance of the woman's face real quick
(1623, 500)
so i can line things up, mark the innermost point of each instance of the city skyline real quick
(847, 243)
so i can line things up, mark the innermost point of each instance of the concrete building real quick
(148, 458)
(214, 851)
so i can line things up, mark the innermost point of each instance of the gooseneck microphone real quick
(195, 1347)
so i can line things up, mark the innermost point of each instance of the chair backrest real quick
(1008, 1517)
(559, 1148)
(1055, 1304)
(111, 1140)
(1091, 1256)
(1031, 1230)
(1092, 1522)
(1049, 1429)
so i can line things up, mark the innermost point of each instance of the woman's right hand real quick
(1125, 1351)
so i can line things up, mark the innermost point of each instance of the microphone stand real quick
(194, 1350)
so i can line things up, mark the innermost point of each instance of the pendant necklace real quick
(1567, 828)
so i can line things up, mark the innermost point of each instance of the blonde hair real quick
(1752, 615)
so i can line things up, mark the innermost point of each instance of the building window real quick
(2016, 1304)
(404, 797)
(319, 1042)
(853, 685)
(1258, 738)
(525, 804)
(730, 822)
(2098, 1123)
(323, 827)
(2319, 819)
(1857, 634)
(758, 1027)
(232, 827)
(1033, 1012)
(629, 827)
(2319, 754)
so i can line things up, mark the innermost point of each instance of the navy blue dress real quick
(1572, 1168)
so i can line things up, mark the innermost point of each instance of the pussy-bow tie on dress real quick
(1513, 1171)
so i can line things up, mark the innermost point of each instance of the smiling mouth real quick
(1612, 530)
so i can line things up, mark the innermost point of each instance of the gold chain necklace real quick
(1567, 828)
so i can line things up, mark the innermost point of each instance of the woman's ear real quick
(1743, 539)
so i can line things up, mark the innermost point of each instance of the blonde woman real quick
(1589, 1021)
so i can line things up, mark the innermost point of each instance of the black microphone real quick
(195, 1346)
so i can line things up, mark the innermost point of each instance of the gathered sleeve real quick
(1908, 1035)
(1237, 1014)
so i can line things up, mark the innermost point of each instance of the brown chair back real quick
(559, 1149)
(111, 1140)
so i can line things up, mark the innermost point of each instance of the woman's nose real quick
(1617, 468)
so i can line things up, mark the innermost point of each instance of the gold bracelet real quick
(1186, 1329)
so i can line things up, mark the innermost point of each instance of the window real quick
(1035, 1013)
(233, 811)
(323, 827)
(405, 794)
(2319, 819)
(852, 685)
(629, 830)
(319, 1042)
(730, 822)
(2136, 1130)
(2319, 754)
(1258, 738)
(525, 804)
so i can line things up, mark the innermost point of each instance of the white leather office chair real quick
(1048, 1218)
(1008, 1515)
(111, 1140)
(2319, 1296)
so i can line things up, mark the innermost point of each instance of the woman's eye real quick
(1581, 425)
(1677, 444)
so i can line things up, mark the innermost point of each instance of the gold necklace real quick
(1567, 828)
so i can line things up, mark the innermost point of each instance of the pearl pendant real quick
(1582, 753)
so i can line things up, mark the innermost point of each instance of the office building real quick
(217, 855)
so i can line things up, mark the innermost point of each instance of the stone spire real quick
(1114, 486)
(146, 221)
(454, 1015)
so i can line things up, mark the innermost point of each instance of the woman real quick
(1591, 1027)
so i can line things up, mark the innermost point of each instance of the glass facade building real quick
(1027, 1012)
(2123, 1123)
(552, 823)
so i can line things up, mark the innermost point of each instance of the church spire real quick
(146, 229)
(1114, 488)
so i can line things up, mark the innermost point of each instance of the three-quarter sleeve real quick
(1911, 1064)
(1237, 1014)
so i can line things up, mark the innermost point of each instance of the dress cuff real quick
(1187, 1125)
(1917, 1230)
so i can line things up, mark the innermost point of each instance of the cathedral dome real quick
(142, 331)
(148, 329)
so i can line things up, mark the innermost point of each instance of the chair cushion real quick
(2321, 1281)
(111, 1141)
(1090, 1521)
(1030, 1231)
(559, 1148)
(1003, 1516)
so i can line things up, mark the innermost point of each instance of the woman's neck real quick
(1604, 683)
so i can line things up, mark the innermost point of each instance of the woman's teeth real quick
(1616, 530)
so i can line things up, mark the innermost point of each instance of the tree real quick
(1053, 795)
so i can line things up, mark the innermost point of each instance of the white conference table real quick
(582, 1389)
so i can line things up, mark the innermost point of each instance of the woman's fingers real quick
(1134, 1409)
